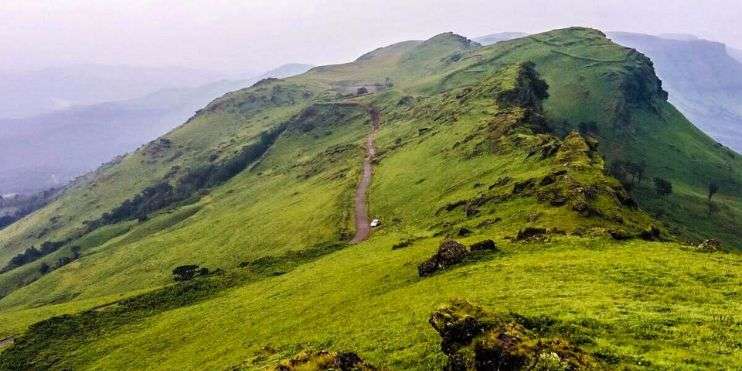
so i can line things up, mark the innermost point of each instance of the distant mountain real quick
(48, 150)
(497, 37)
(735, 53)
(25, 94)
(703, 80)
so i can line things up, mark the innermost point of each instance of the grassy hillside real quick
(472, 146)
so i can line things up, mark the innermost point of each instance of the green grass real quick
(643, 303)
(281, 224)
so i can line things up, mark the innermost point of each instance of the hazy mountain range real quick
(24, 94)
(48, 150)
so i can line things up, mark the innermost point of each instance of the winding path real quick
(361, 205)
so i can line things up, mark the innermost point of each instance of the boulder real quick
(486, 245)
(528, 233)
(474, 339)
(449, 253)
(324, 360)
(710, 245)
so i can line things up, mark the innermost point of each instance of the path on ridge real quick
(361, 205)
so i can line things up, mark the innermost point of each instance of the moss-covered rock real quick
(474, 339)
(486, 245)
(324, 360)
(449, 253)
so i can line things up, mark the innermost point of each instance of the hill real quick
(703, 81)
(497, 37)
(34, 93)
(496, 148)
(76, 140)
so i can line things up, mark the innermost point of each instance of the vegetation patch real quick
(45, 343)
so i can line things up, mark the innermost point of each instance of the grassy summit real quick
(515, 142)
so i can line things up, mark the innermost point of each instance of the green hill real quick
(521, 142)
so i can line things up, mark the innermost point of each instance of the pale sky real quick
(261, 34)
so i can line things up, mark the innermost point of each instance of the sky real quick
(231, 35)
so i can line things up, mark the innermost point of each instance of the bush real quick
(662, 186)
(185, 272)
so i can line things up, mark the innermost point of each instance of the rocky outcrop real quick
(474, 339)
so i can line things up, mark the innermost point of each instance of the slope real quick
(49, 150)
(702, 79)
(468, 149)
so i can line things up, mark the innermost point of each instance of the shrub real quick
(185, 272)
(662, 186)
(713, 188)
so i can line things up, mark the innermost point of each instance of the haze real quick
(240, 36)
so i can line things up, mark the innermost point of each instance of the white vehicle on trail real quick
(375, 223)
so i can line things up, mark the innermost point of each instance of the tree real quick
(662, 186)
(636, 170)
(713, 188)
(44, 268)
(362, 90)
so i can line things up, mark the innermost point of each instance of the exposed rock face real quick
(476, 340)
(449, 253)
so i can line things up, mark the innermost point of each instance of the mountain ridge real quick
(476, 143)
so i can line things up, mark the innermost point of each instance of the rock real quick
(324, 360)
(463, 231)
(449, 253)
(551, 178)
(650, 234)
(474, 339)
(520, 187)
(619, 234)
(486, 245)
(558, 201)
(457, 324)
(710, 245)
(529, 233)
(503, 349)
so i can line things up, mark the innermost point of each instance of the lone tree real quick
(713, 188)
(662, 186)
(362, 90)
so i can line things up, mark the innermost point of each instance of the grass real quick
(445, 143)
(641, 303)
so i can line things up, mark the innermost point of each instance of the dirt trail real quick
(361, 204)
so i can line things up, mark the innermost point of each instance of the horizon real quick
(254, 72)
(233, 37)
